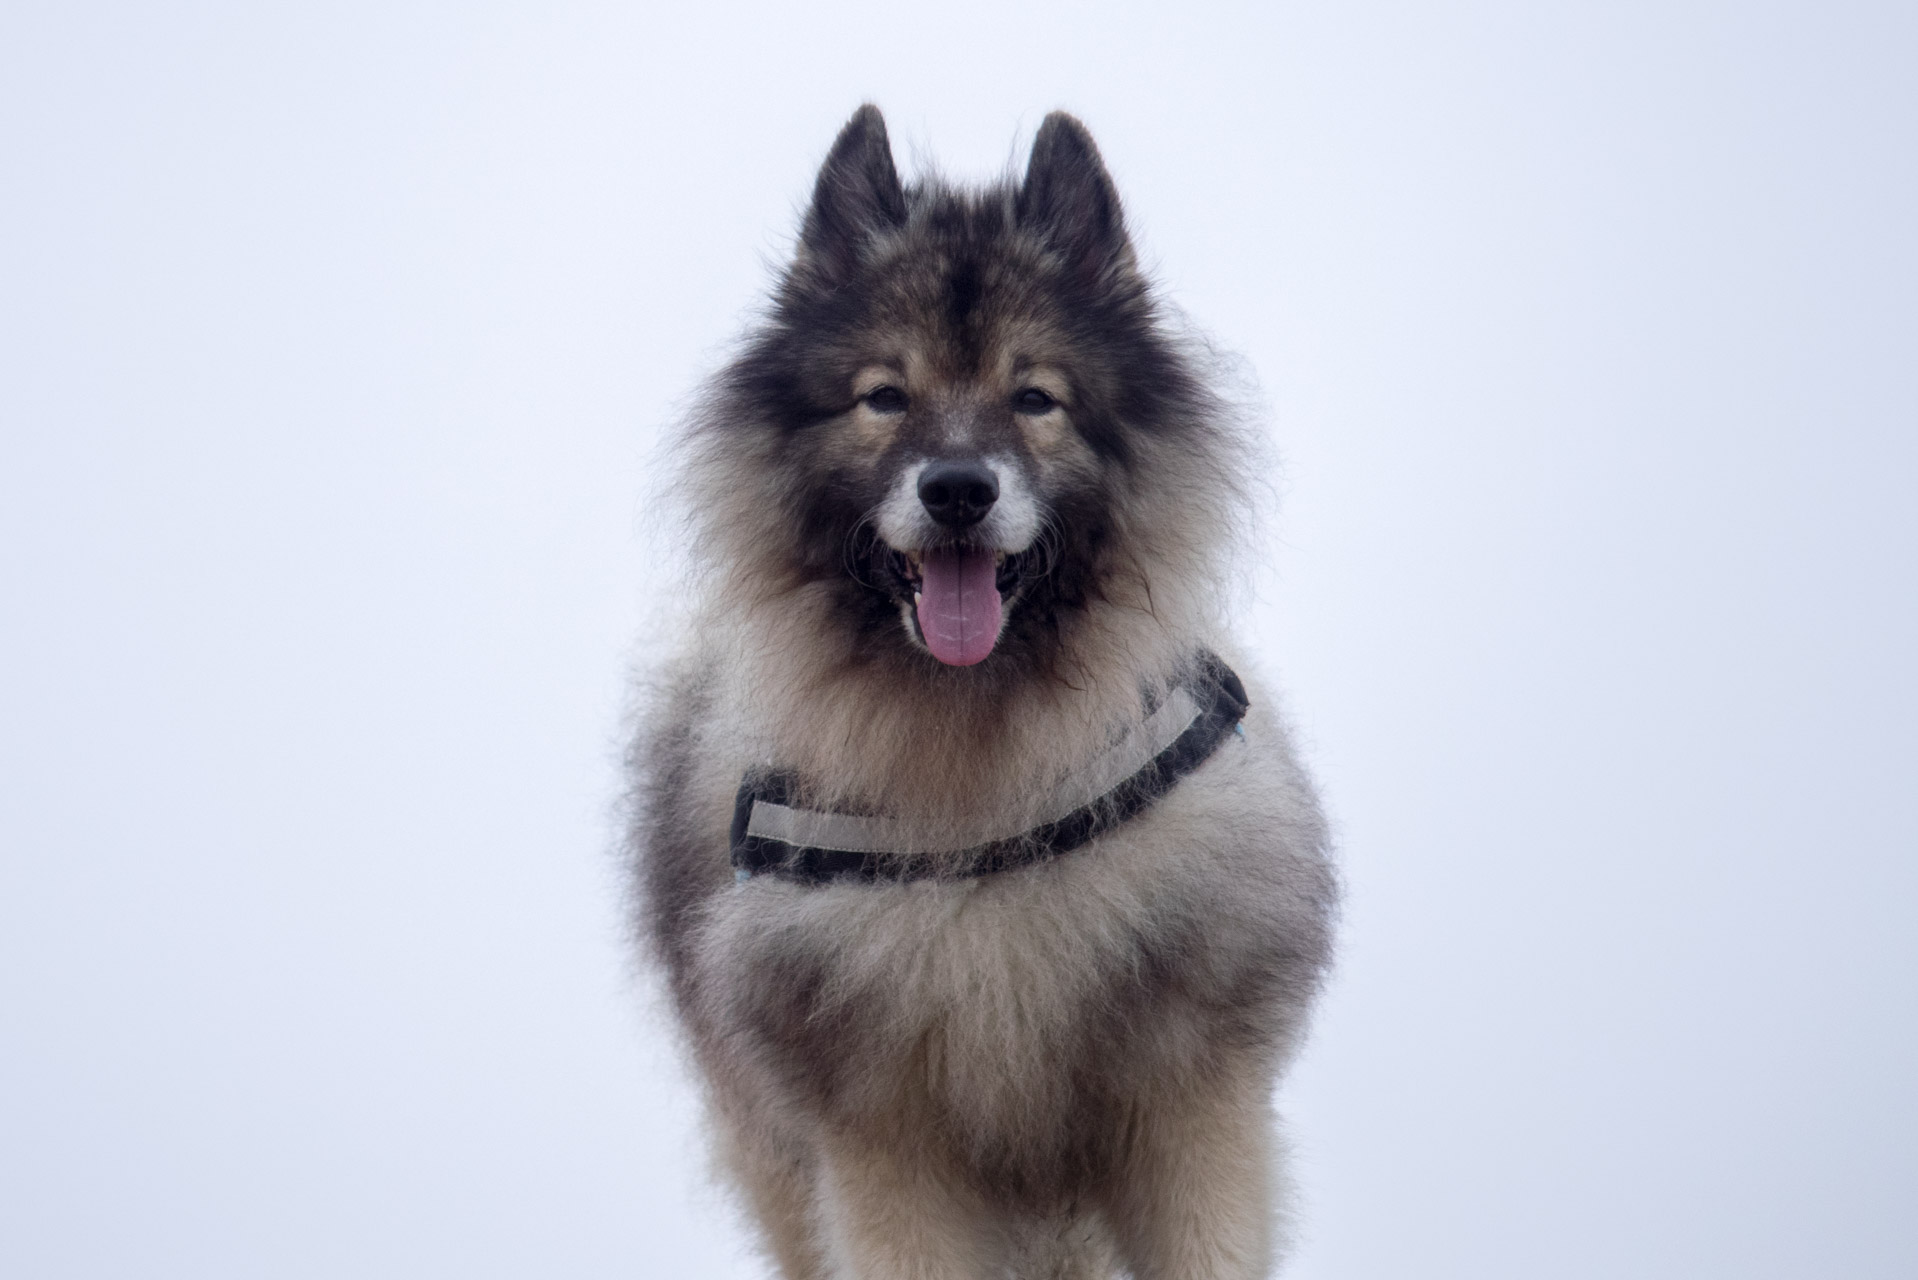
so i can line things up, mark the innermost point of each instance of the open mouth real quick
(958, 597)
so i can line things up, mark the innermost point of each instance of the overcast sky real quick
(334, 345)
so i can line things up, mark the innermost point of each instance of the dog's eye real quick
(1033, 400)
(886, 400)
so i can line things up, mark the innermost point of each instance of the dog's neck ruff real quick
(771, 835)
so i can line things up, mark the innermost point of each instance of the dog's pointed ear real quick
(1069, 199)
(857, 196)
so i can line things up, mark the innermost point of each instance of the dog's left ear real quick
(857, 196)
(1068, 198)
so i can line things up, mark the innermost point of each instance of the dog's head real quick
(963, 414)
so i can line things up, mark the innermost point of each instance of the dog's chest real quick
(998, 998)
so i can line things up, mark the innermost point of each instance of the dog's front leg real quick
(889, 1216)
(1194, 1197)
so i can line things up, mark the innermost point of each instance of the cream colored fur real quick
(1059, 1072)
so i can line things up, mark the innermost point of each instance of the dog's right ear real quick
(1069, 199)
(857, 196)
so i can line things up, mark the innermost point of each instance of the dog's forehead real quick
(934, 370)
(954, 321)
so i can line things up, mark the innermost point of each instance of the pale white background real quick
(334, 341)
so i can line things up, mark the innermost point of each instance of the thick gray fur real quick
(1060, 1072)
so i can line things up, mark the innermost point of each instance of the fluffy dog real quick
(990, 900)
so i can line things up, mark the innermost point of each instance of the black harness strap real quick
(1222, 703)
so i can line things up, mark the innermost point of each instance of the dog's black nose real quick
(957, 494)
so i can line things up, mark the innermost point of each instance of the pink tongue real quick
(959, 605)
